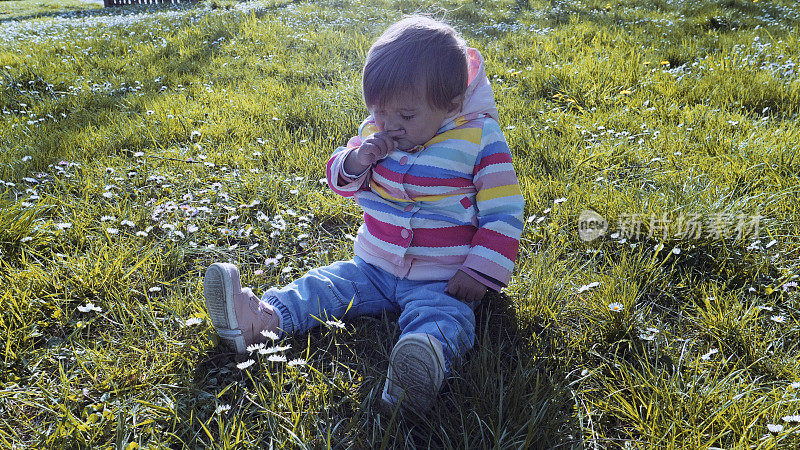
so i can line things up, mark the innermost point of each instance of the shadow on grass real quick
(507, 393)
(70, 12)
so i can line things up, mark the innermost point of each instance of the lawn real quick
(139, 144)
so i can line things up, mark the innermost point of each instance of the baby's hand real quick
(376, 147)
(465, 288)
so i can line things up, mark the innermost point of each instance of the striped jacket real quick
(453, 203)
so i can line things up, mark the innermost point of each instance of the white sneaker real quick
(416, 373)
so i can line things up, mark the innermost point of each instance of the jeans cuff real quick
(287, 326)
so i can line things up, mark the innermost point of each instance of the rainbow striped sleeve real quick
(500, 206)
(338, 182)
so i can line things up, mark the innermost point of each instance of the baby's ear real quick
(456, 103)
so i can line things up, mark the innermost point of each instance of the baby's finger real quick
(389, 143)
(395, 133)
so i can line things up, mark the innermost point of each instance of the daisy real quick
(773, 428)
(778, 319)
(245, 365)
(89, 307)
(255, 347)
(193, 321)
(586, 287)
(616, 307)
(269, 334)
(297, 362)
(155, 289)
(222, 409)
(707, 356)
(335, 323)
(277, 358)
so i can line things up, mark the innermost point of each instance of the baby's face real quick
(410, 114)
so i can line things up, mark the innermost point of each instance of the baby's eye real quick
(405, 117)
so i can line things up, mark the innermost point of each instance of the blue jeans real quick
(423, 306)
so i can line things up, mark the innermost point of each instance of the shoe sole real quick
(409, 369)
(218, 289)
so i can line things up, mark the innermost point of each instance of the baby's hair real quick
(413, 50)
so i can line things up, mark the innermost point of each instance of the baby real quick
(432, 171)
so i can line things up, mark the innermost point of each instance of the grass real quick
(140, 144)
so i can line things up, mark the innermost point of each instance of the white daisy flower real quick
(297, 362)
(245, 365)
(255, 347)
(793, 418)
(127, 223)
(222, 409)
(274, 349)
(193, 321)
(773, 428)
(89, 307)
(155, 289)
(616, 307)
(778, 319)
(707, 356)
(112, 230)
(335, 323)
(586, 287)
(277, 358)
(269, 334)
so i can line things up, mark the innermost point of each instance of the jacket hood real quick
(479, 97)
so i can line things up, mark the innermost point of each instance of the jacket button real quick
(404, 233)
(403, 160)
